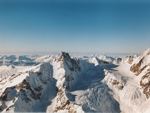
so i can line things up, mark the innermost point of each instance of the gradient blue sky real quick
(76, 26)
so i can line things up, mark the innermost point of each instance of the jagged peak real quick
(68, 62)
(64, 56)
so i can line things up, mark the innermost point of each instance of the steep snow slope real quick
(65, 84)
(66, 73)
(131, 91)
(97, 98)
(126, 88)
(74, 76)
(30, 91)
(141, 67)
(6, 71)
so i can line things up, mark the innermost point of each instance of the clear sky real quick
(75, 26)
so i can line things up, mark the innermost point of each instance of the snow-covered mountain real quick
(65, 84)
(17, 60)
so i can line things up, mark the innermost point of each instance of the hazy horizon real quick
(75, 54)
(74, 26)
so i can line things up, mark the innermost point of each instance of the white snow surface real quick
(65, 84)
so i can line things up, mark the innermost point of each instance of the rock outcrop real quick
(141, 67)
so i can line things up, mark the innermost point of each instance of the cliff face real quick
(141, 62)
(141, 68)
(145, 81)
(29, 91)
(66, 72)
(71, 70)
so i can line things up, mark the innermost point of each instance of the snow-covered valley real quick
(65, 84)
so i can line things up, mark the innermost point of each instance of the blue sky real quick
(75, 26)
